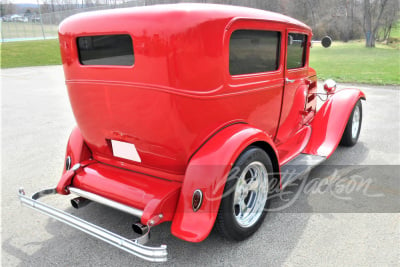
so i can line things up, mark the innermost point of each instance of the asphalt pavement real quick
(36, 123)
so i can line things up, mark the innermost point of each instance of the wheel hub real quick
(250, 194)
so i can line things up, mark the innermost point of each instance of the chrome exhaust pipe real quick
(79, 202)
(140, 228)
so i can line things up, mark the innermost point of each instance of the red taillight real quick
(197, 200)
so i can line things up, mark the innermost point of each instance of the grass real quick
(395, 33)
(353, 62)
(30, 53)
(394, 38)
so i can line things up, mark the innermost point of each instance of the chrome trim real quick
(106, 201)
(76, 167)
(287, 80)
(135, 246)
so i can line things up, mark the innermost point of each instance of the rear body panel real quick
(165, 128)
(178, 92)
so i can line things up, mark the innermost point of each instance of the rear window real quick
(106, 50)
(253, 51)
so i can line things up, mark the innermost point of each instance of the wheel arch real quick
(272, 155)
(208, 170)
(330, 122)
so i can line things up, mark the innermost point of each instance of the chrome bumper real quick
(135, 246)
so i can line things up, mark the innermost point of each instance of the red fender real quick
(79, 152)
(330, 121)
(208, 170)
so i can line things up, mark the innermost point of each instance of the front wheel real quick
(353, 127)
(245, 200)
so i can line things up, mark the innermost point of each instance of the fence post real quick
(2, 35)
(41, 22)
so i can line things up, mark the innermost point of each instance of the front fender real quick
(330, 121)
(208, 170)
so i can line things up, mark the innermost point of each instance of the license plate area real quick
(125, 150)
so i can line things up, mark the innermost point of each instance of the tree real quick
(28, 13)
(372, 15)
(389, 18)
(6, 8)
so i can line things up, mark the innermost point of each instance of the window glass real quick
(106, 50)
(296, 51)
(253, 51)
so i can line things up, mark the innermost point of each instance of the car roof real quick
(191, 11)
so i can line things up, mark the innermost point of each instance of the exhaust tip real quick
(79, 202)
(140, 228)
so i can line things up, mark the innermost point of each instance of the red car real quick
(189, 113)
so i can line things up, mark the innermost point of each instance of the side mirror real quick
(330, 86)
(326, 41)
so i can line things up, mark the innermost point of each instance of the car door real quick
(255, 72)
(295, 87)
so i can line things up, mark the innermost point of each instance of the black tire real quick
(229, 221)
(349, 137)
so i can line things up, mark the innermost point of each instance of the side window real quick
(253, 51)
(296, 51)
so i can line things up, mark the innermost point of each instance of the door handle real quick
(289, 81)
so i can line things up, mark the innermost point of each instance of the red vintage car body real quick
(186, 115)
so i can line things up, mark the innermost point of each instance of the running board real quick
(135, 246)
(299, 166)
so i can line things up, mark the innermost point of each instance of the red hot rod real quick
(171, 99)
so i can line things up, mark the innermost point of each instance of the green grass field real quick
(353, 62)
(395, 33)
(344, 62)
(30, 53)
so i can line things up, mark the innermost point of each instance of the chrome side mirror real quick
(326, 41)
(330, 86)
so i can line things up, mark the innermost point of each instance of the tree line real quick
(343, 20)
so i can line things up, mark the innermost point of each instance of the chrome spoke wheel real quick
(246, 200)
(250, 194)
(356, 122)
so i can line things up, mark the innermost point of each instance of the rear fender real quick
(208, 170)
(330, 121)
(79, 152)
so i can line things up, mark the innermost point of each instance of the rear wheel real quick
(353, 127)
(243, 206)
